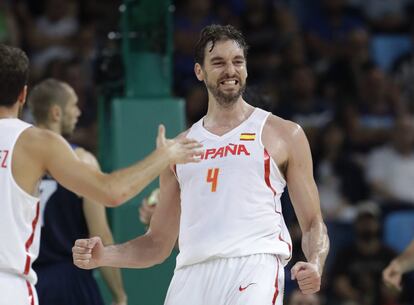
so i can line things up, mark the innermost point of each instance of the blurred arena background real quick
(342, 69)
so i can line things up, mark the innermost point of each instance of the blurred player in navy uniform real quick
(65, 216)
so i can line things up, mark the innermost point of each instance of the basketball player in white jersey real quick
(27, 153)
(226, 209)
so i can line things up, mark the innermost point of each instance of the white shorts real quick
(248, 280)
(16, 290)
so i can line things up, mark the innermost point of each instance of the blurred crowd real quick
(342, 69)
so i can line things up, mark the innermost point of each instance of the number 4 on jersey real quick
(212, 177)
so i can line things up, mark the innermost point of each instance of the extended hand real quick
(180, 150)
(87, 253)
(308, 277)
(392, 275)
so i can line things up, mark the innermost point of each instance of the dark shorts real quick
(65, 284)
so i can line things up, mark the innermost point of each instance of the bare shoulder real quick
(86, 156)
(39, 141)
(284, 129)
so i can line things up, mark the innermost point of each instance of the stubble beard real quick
(226, 100)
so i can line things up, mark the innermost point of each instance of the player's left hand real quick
(308, 277)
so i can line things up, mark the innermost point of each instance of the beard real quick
(224, 99)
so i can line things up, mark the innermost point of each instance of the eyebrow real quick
(215, 58)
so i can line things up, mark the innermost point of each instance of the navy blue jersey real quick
(62, 221)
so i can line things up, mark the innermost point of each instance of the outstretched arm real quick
(401, 264)
(146, 250)
(110, 189)
(305, 200)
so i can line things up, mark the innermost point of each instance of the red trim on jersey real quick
(267, 171)
(276, 284)
(289, 245)
(29, 242)
(30, 291)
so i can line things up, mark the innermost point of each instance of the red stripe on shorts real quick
(30, 291)
(29, 242)
(276, 284)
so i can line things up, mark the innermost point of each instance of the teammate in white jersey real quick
(226, 209)
(27, 153)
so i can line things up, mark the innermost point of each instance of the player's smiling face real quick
(224, 71)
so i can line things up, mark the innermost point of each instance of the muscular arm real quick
(43, 151)
(146, 250)
(305, 199)
(96, 220)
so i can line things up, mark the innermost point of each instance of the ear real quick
(55, 113)
(198, 70)
(22, 96)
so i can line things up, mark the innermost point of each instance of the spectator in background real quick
(298, 298)
(326, 32)
(304, 106)
(262, 37)
(403, 74)
(9, 32)
(384, 15)
(356, 274)
(345, 73)
(390, 169)
(370, 120)
(190, 18)
(51, 35)
(339, 177)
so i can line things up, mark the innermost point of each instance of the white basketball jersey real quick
(19, 211)
(230, 201)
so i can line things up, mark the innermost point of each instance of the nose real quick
(78, 112)
(230, 69)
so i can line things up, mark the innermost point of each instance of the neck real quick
(50, 126)
(231, 116)
(8, 113)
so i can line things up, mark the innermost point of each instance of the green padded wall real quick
(133, 129)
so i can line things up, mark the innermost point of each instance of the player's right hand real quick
(87, 253)
(180, 150)
(392, 275)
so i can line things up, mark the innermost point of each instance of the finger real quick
(161, 131)
(82, 256)
(81, 250)
(295, 269)
(84, 264)
(92, 242)
(81, 242)
(303, 274)
(309, 285)
(310, 291)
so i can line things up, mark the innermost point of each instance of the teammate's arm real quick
(96, 220)
(146, 250)
(110, 189)
(401, 264)
(305, 200)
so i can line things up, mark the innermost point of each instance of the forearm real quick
(141, 252)
(113, 279)
(406, 259)
(315, 243)
(127, 182)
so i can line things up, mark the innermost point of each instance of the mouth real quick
(229, 82)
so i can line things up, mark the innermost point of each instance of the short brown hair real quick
(214, 33)
(46, 94)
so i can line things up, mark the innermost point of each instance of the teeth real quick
(229, 82)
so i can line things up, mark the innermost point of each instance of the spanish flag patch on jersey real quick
(247, 137)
